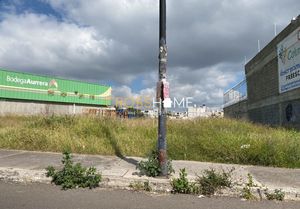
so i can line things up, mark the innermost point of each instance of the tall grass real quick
(214, 140)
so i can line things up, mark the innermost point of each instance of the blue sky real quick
(32, 6)
(116, 42)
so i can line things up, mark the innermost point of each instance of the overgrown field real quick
(215, 140)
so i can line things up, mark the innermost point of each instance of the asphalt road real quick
(42, 196)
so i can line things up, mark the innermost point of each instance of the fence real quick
(235, 94)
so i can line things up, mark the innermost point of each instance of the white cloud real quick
(41, 43)
(205, 86)
(117, 41)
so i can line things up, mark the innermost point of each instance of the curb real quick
(158, 185)
(23, 175)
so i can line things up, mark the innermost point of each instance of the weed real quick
(73, 176)
(246, 191)
(277, 195)
(182, 184)
(212, 181)
(141, 186)
(147, 186)
(151, 167)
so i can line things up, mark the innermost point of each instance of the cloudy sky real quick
(115, 42)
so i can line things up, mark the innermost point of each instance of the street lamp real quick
(162, 89)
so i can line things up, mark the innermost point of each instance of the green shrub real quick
(277, 195)
(207, 184)
(182, 184)
(151, 167)
(211, 181)
(73, 176)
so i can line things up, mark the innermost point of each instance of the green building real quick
(31, 88)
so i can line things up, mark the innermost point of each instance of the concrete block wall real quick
(266, 115)
(263, 82)
(290, 113)
(265, 104)
(9, 107)
(238, 110)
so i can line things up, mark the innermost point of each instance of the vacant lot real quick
(215, 140)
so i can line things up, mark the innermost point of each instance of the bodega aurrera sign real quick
(22, 81)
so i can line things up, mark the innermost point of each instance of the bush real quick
(73, 176)
(151, 167)
(277, 195)
(207, 184)
(182, 184)
(211, 181)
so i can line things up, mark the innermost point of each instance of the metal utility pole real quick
(162, 89)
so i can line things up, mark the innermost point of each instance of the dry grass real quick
(215, 140)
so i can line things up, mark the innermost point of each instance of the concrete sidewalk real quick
(27, 166)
